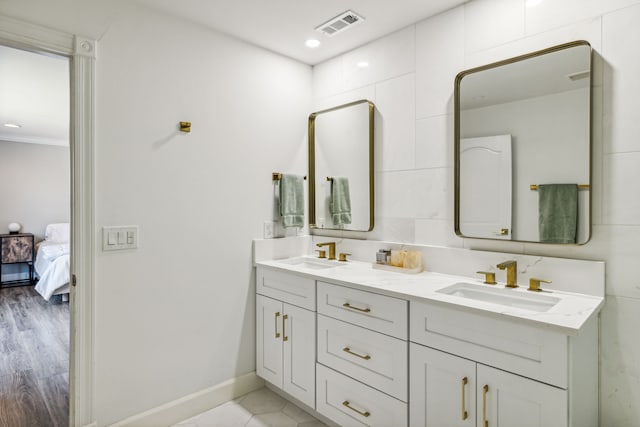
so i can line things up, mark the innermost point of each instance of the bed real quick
(52, 262)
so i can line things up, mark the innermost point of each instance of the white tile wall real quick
(389, 57)
(621, 83)
(621, 185)
(589, 30)
(439, 57)
(438, 232)
(416, 204)
(434, 142)
(552, 14)
(395, 101)
(365, 92)
(620, 363)
(489, 23)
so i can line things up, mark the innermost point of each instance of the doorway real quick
(81, 52)
(35, 177)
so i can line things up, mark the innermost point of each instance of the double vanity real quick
(367, 347)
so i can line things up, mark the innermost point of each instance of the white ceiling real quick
(34, 89)
(283, 25)
(34, 93)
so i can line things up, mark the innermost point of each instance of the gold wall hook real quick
(185, 127)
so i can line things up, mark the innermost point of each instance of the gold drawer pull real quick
(485, 390)
(348, 350)
(465, 415)
(284, 334)
(363, 310)
(277, 333)
(364, 414)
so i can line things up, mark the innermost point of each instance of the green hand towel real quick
(340, 205)
(558, 213)
(292, 200)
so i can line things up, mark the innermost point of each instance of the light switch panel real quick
(116, 238)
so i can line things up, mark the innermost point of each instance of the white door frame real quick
(81, 52)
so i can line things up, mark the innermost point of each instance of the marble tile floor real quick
(261, 408)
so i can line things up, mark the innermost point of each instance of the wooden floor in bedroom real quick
(34, 359)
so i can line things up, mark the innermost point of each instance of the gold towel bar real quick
(277, 176)
(534, 187)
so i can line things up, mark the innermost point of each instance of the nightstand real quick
(17, 249)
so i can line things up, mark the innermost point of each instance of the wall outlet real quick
(269, 229)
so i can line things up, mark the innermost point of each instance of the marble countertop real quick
(568, 315)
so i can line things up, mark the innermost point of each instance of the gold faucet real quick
(332, 248)
(512, 272)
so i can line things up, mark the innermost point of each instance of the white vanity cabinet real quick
(471, 369)
(286, 333)
(447, 390)
(362, 357)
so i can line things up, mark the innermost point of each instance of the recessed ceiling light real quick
(363, 64)
(533, 3)
(12, 125)
(312, 43)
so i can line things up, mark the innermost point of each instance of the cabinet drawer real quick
(523, 349)
(373, 358)
(287, 287)
(350, 403)
(373, 311)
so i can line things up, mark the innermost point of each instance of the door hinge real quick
(73, 280)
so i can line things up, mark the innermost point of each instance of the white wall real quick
(177, 315)
(410, 78)
(34, 186)
(34, 189)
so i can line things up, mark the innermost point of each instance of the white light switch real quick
(115, 238)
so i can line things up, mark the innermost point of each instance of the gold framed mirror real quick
(341, 168)
(523, 147)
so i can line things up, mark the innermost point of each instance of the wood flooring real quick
(34, 359)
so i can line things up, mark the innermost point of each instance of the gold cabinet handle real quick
(276, 328)
(363, 310)
(284, 334)
(485, 390)
(465, 415)
(348, 405)
(348, 350)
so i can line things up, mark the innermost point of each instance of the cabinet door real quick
(269, 339)
(512, 400)
(442, 389)
(299, 339)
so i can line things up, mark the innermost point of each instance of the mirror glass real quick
(341, 167)
(523, 147)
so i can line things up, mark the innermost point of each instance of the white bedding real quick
(52, 266)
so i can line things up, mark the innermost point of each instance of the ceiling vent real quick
(340, 23)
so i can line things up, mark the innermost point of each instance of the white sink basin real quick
(312, 263)
(503, 296)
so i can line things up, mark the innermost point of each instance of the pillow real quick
(57, 232)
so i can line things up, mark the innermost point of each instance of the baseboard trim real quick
(188, 406)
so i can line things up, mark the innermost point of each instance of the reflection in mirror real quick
(341, 167)
(522, 147)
